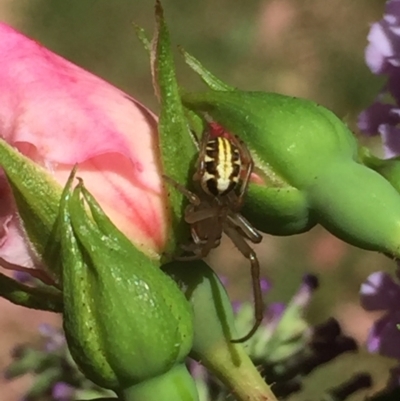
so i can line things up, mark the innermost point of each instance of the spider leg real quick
(194, 216)
(201, 247)
(201, 167)
(188, 258)
(195, 139)
(245, 227)
(213, 240)
(205, 211)
(206, 229)
(193, 198)
(249, 254)
(247, 161)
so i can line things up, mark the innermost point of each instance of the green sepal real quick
(125, 320)
(37, 196)
(207, 77)
(79, 320)
(141, 35)
(278, 210)
(43, 298)
(214, 328)
(178, 151)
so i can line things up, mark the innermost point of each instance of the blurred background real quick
(308, 48)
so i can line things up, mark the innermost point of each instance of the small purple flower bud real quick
(380, 49)
(272, 317)
(371, 119)
(63, 392)
(393, 12)
(383, 50)
(265, 285)
(380, 292)
(236, 306)
(383, 57)
(55, 339)
(275, 310)
(304, 294)
(384, 336)
(391, 140)
(22, 277)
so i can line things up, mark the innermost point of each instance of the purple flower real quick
(381, 293)
(383, 51)
(383, 57)
(63, 392)
(55, 339)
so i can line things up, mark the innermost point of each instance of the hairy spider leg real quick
(202, 247)
(248, 162)
(212, 218)
(244, 227)
(201, 167)
(246, 250)
(199, 248)
(195, 139)
(193, 198)
(193, 216)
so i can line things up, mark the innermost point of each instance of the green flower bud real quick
(307, 160)
(128, 326)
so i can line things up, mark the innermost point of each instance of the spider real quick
(223, 170)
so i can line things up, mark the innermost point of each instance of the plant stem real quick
(240, 375)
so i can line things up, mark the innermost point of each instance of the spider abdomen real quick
(222, 164)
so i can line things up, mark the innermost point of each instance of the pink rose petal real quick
(58, 114)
